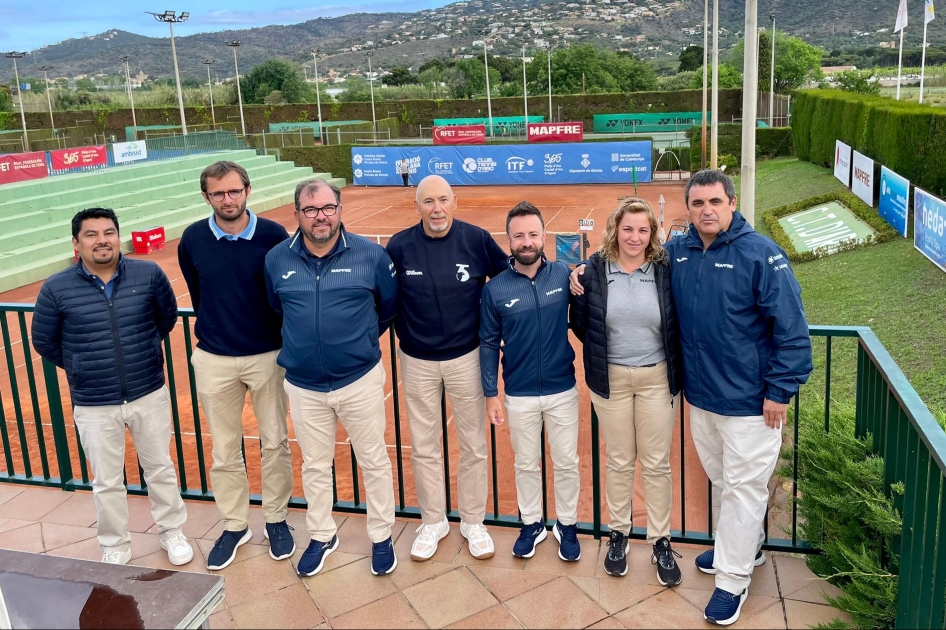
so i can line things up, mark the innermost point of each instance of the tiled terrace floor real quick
(452, 590)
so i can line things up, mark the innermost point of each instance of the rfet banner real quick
(64, 159)
(894, 193)
(842, 162)
(460, 134)
(125, 152)
(20, 167)
(929, 227)
(556, 132)
(591, 163)
(862, 183)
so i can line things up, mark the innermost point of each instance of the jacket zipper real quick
(113, 319)
(538, 309)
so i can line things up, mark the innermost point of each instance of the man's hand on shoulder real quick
(574, 284)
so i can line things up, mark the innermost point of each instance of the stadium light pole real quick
(14, 55)
(131, 98)
(772, 78)
(210, 86)
(170, 18)
(489, 102)
(318, 98)
(525, 90)
(548, 48)
(705, 77)
(750, 104)
(234, 44)
(49, 100)
(374, 119)
(714, 105)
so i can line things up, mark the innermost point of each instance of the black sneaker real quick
(615, 563)
(668, 573)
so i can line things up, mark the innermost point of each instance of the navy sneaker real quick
(704, 561)
(383, 560)
(313, 559)
(668, 573)
(615, 563)
(529, 537)
(224, 551)
(567, 536)
(723, 607)
(281, 544)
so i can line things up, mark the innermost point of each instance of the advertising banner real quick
(929, 227)
(460, 134)
(842, 162)
(894, 192)
(125, 152)
(556, 132)
(648, 123)
(592, 163)
(862, 183)
(20, 167)
(64, 159)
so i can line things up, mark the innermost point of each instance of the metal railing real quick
(904, 433)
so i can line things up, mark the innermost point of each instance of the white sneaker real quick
(116, 556)
(179, 550)
(425, 545)
(481, 545)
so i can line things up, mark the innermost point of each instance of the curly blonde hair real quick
(609, 249)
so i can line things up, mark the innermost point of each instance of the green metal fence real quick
(41, 447)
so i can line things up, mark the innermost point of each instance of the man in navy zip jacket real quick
(443, 264)
(746, 351)
(337, 293)
(525, 309)
(102, 321)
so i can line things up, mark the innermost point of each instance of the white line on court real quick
(372, 214)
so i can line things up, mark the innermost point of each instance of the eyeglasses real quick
(311, 211)
(234, 194)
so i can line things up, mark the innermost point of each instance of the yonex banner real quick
(648, 123)
(594, 163)
(894, 192)
(929, 227)
(20, 167)
(862, 183)
(63, 159)
(460, 134)
(124, 152)
(556, 132)
(842, 162)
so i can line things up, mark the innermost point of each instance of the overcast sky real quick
(27, 25)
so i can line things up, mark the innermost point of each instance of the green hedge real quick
(334, 159)
(770, 142)
(907, 137)
(848, 199)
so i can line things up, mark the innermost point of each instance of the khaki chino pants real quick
(102, 431)
(424, 382)
(222, 384)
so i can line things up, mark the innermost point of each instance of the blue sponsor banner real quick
(588, 163)
(929, 227)
(894, 193)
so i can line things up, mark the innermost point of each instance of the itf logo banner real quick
(929, 227)
(591, 163)
(894, 192)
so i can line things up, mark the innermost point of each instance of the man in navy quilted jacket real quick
(102, 321)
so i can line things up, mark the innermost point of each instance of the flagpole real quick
(923, 62)
(900, 64)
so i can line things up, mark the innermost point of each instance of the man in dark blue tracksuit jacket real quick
(337, 293)
(746, 351)
(525, 309)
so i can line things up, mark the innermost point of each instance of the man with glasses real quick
(337, 293)
(222, 260)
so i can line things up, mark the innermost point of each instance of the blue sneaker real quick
(225, 549)
(313, 559)
(704, 561)
(529, 537)
(567, 536)
(723, 607)
(281, 544)
(383, 560)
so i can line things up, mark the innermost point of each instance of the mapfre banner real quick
(20, 167)
(556, 132)
(460, 134)
(64, 159)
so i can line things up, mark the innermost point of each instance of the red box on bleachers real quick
(147, 241)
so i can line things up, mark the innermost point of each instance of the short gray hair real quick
(311, 185)
(708, 177)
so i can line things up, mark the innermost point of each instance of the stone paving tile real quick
(8, 491)
(608, 623)
(466, 597)
(796, 581)
(391, 612)
(803, 615)
(144, 545)
(13, 523)
(221, 618)
(666, 609)
(34, 504)
(348, 587)
(28, 538)
(252, 578)
(616, 594)
(503, 540)
(534, 609)
(159, 560)
(505, 584)
(546, 558)
(288, 607)
(85, 550)
(77, 510)
(55, 535)
(495, 618)
(409, 572)
(772, 618)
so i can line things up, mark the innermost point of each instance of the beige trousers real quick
(360, 408)
(222, 383)
(424, 382)
(559, 414)
(637, 424)
(102, 431)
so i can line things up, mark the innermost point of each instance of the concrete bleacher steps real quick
(36, 216)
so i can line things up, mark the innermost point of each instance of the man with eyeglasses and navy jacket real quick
(525, 310)
(337, 293)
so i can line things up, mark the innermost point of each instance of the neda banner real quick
(556, 132)
(64, 159)
(20, 167)
(460, 134)
(842, 162)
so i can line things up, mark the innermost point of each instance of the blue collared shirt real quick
(107, 287)
(246, 234)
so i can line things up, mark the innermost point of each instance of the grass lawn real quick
(891, 288)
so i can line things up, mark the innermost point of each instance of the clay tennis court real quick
(376, 213)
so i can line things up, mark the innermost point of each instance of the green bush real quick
(771, 142)
(334, 159)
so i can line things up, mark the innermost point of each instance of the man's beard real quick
(528, 256)
(227, 217)
(312, 237)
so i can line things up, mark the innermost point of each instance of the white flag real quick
(929, 15)
(901, 17)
